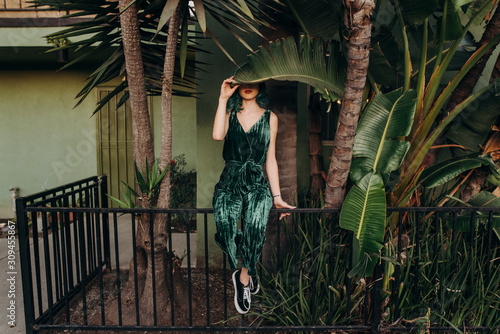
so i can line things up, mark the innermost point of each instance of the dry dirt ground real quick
(199, 315)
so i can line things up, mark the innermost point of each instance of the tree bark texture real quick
(141, 125)
(166, 102)
(358, 19)
(317, 181)
(467, 84)
(476, 182)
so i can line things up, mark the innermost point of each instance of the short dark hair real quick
(234, 102)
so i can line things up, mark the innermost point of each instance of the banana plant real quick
(378, 150)
(430, 101)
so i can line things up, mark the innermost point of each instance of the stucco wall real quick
(44, 141)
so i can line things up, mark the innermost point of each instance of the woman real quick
(249, 132)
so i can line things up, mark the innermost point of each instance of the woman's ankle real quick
(244, 277)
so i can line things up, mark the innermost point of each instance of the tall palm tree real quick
(358, 20)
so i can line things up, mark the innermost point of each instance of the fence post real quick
(24, 244)
(103, 182)
(376, 298)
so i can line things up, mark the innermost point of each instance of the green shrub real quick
(310, 286)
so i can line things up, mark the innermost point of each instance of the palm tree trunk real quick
(166, 102)
(357, 17)
(141, 125)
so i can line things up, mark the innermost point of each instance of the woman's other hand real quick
(279, 203)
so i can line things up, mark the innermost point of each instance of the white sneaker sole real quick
(240, 311)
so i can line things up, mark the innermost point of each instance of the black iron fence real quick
(438, 271)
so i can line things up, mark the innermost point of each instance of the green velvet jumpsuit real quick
(243, 191)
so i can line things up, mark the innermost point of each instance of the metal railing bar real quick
(216, 328)
(117, 260)
(48, 273)
(397, 285)
(61, 188)
(99, 268)
(188, 246)
(89, 236)
(490, 236)
(332, 246)
(207, 284)
(97, 231)
(24, 253)
(55, 250)
(69, 257)
(171, 264)
(136, 286)
(64, 261)
(62, 266)
(36, 255)
(347, 280)
(76, 249)
(273, 211)
(151, 236)
(278, 242)
(83, 261)
(417, 257)
(224, 280)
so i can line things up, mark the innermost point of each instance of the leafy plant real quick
(182, 194)
(148, 182)
(183, 189)
(310, 285)
(377, 151)
(446, 275)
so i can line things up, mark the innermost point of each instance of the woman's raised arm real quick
(221, 122)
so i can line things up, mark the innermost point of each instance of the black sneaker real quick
(254, 288)
(242, 297)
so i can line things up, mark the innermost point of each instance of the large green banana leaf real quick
(377, 145)
(443, 172)
(363, 212)
(305, 62)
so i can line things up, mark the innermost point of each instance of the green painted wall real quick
(183, 128)
(44, 141)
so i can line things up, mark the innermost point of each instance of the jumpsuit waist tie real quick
(249, 174)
